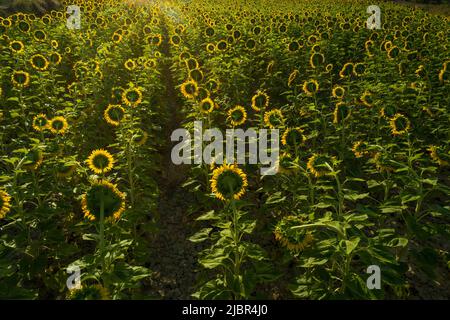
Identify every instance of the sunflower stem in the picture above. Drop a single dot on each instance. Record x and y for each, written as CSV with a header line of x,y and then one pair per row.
x,y
102,233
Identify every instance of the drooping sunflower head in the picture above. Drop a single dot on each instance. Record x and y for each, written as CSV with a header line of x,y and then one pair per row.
x,y
58,125
341,112
40,122
360,149
346,70
39,62
237,115
382,161
310,87
292,77
100,161
113,114
260,100
320,164
316,59
113,201
228,182
189,89
367,99
293,239
293,137
438,155
399,124
338,92
393,52
33,159
132,96
274,118
140,137
388,111
92,292
206,105
5,203
20,79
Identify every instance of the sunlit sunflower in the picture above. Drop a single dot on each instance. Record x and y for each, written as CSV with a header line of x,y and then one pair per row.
x,y
293,137
310,87
189,89
359,149
113,114
58,125
399,124
274,118
40,122
292,77
130,65
228,182
16,46
293,239
437,154
92,292
206,105
132,96
113,201
338,92
341,112
320,164
367,99
20,79
100,161
39,62
237,116
33,159
346,70
5,203
260,100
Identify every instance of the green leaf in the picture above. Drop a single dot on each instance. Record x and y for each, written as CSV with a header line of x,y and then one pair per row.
x,y
201,236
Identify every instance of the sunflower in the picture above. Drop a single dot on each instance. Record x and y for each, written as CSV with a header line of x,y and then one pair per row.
x,y
196,75
368,45
222,45
113,114
140,138
210,47
320,164
20,79
341,112
338,92
399,124
310,87
367,99
130,65
189,89
316,59
293,239
175,40
213,85
228,182
293,46
150,64
58,125
393,52
359,149
294,74
39,62
93,292
54,44
437,153
237,115
40,122
39,35
359,69
132,96
260,100
206,105
65,169
100,161
113,201
5,203
33,160
382,161
293,137
274,118
16,46
346,70
116,37
55,58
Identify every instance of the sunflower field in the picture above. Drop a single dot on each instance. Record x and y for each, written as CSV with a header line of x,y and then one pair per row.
x,y
88,187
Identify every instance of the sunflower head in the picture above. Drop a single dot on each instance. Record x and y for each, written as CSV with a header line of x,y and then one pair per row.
x,y
316,59
16,46
113,114
293,137
382,161
58,125
92,292
5,203
206,105
274,118
338,92
33,159
189,89
100,161
40,122
310,87
237,115
130,65
39,62
320,164
20,79
360,149
140,137
341,112
438,155
260,100
346,70
399,124
113,201
292,77
132,96
228,182
293,239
